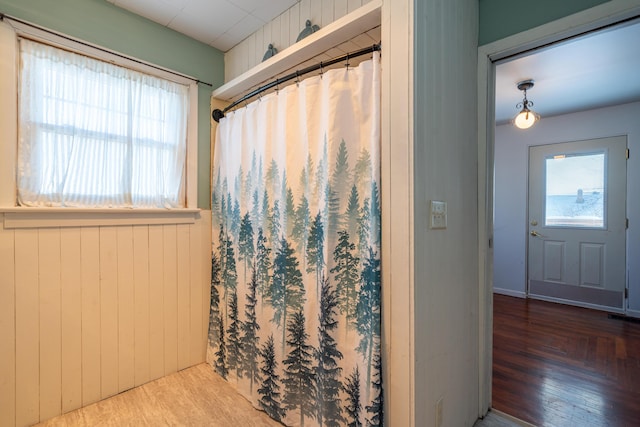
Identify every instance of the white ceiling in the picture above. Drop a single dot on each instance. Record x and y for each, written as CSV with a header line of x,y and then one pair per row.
x,y
218,23
595,70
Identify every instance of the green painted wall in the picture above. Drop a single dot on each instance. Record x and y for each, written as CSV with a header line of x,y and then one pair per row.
x,y
104,24
503,18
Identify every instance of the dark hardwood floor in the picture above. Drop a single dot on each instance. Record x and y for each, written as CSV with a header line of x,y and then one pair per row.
x,y
557,365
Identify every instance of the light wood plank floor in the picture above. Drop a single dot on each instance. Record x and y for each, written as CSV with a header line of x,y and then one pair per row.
x,y
192,397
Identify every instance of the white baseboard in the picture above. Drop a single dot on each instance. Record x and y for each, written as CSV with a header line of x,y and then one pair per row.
x,y
577,304
510,292
633,313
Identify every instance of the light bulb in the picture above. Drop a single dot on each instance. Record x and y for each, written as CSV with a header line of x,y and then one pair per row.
x,y
525,119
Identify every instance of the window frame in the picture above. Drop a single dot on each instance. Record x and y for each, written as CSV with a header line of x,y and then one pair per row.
x,y
10,32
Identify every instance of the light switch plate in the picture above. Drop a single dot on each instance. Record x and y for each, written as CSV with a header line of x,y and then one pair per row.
x,y
438,215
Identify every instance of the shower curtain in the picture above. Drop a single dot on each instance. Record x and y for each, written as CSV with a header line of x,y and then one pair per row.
x,y
295,297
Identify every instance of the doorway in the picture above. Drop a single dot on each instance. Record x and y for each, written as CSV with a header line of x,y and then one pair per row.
x,y
490,154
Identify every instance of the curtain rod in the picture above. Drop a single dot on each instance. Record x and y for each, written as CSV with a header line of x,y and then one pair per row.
x,y
219,114
4,16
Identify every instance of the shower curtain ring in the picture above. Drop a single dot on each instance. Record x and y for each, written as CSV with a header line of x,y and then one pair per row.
x,y
297,77
321,70
347,61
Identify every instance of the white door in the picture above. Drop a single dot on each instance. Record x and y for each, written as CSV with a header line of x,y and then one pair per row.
x,y
577,222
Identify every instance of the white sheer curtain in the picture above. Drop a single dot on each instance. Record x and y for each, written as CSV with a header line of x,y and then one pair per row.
x,y
93,134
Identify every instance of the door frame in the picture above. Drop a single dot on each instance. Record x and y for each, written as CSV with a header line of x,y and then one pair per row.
x,y
596,17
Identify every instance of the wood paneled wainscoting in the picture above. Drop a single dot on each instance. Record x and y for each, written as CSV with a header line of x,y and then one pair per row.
x,y
558,365
87,312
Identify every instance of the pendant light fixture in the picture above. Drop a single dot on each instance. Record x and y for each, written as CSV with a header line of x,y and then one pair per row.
x,y
525,118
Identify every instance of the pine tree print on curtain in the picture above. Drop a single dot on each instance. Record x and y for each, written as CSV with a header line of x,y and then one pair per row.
x,y
295,302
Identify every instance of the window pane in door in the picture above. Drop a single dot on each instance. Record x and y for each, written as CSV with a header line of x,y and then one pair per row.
x,y
575,188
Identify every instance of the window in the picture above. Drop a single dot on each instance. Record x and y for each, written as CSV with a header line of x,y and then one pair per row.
x,y
94,134
575,190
